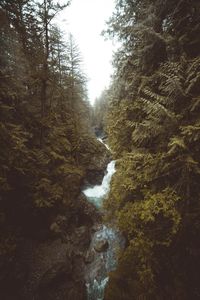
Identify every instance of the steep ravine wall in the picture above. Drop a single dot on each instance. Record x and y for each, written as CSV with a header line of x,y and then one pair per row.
x,y
51,264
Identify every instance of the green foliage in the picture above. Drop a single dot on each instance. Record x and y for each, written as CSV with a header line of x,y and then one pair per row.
x,y
150,217
45,138
153,127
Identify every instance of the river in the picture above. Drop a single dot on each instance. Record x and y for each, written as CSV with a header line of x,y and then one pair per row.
x,y
96,273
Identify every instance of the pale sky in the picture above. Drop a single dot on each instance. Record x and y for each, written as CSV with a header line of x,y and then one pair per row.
x,y
85,19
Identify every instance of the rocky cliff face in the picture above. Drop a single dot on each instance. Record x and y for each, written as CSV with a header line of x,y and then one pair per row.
x,y
95,170
53,268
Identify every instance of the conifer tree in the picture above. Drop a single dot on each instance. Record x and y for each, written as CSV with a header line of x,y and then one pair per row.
x,y
153,110
44,121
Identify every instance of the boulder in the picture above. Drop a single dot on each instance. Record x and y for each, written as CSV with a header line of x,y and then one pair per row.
x,y
94,177
96,168
87,212
101,245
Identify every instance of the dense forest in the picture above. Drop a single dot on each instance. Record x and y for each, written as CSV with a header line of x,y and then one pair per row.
x,y
150,117
47,146
153,127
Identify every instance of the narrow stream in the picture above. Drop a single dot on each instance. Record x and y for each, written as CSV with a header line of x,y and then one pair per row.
x,y
104,261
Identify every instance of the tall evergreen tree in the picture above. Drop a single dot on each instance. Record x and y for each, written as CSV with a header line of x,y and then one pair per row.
x,y
153,130
46,142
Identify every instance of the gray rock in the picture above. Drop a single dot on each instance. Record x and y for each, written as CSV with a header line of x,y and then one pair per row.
x,y
101,246
97,166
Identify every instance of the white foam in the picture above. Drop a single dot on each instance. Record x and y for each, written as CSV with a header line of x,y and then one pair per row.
x,y
100,140
97,193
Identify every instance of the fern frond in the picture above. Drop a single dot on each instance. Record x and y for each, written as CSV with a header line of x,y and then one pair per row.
x,y
156,109
145,131
155,96
193,75
195,104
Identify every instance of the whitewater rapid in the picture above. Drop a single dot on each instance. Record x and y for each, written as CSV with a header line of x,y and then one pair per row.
x,y
96,273
97,193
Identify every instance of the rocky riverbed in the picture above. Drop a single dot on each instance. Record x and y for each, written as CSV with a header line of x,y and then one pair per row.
x,y
106,242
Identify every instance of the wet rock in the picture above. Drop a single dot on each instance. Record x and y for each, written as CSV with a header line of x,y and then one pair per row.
x,y
97,166
87,212
94,177
101,246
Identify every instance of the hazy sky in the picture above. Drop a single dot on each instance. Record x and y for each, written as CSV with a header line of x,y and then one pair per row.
x,y
85,19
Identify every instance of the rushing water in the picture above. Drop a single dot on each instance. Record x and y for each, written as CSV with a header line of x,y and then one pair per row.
x,y
100,140
97,193
96,273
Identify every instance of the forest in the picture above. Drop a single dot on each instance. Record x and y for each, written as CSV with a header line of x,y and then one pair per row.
x,y
149,117
47,148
